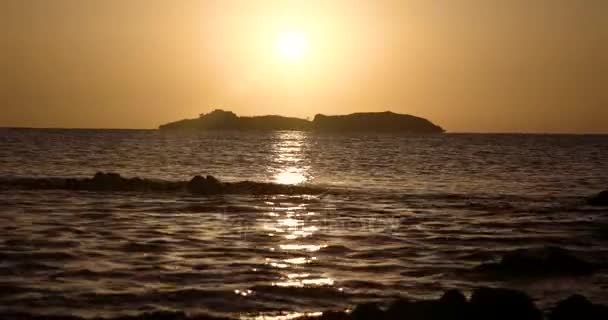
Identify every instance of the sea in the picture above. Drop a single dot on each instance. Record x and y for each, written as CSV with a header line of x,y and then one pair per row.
x,y
407,216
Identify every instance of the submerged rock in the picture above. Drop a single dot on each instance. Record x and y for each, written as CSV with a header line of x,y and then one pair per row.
x,y
578,307
452,305
600,200
453,297
367,311
503,304
539,262
116,183
207,185
107,181
485,303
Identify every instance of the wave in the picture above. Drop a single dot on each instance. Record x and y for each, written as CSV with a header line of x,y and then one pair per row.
x,y
115,182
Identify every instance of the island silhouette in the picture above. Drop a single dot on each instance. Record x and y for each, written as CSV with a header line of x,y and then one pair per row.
x,y
365,121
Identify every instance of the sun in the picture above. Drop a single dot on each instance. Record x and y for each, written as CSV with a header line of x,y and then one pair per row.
x,y
292,46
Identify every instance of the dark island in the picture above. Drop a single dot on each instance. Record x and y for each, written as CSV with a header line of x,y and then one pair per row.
x,y
368,121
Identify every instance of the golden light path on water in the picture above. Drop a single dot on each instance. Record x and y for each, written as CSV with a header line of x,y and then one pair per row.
x,y
291,225
288,164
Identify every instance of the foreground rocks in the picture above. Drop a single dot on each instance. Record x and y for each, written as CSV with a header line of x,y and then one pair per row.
x,y
600,200
578,307
537,263
484,304
114,182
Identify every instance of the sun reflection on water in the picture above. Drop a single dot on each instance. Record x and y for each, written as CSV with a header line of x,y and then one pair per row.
x,y
288,222
292,233
288,165
290,177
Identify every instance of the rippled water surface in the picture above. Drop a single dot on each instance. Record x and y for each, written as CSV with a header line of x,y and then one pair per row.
x,y
407,216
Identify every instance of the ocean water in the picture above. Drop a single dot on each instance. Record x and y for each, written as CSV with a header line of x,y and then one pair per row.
x,y
404,216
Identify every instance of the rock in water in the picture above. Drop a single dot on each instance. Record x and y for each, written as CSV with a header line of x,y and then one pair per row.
x,y
453,298
208,185
503,304
452,305
367,311
107,181
578,307
600,200
539,262
413,310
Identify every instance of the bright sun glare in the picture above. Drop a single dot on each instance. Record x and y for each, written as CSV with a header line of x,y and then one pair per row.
x,y
292,45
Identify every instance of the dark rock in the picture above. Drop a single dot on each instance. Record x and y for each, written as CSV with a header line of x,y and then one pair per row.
x,y
367,311
213,180
452,305
503,304
107,181
413,310
114,182
71,184
208,185
137,184
578,307
600,200
539,262
453,297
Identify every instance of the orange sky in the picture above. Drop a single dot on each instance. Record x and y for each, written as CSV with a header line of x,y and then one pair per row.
x,y
468,65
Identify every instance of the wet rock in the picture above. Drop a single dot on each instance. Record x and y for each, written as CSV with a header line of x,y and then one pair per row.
x,y
578,307
114,182
367,311
539,262
207,185
72,183
453,297
413,310
503,304
107,181
452,305
600,200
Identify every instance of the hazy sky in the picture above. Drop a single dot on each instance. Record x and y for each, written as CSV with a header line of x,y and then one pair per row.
x,y
469,65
